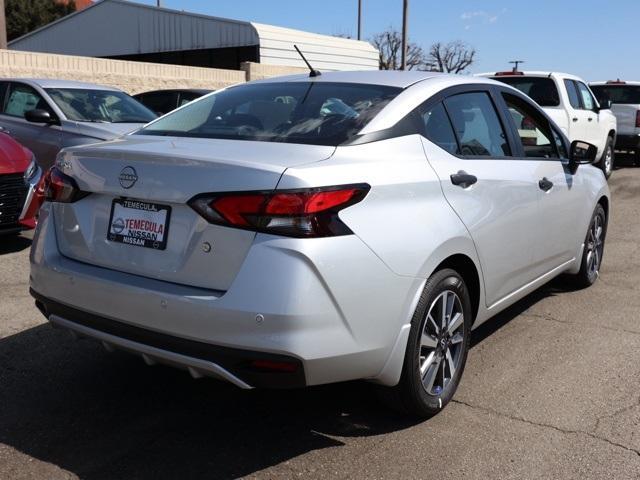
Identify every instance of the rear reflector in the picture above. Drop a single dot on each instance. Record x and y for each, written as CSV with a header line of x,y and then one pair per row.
x,y
61,188
271,366
294,213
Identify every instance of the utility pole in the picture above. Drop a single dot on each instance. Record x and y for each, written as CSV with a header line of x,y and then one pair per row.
x,y
405,33
3,27
359,19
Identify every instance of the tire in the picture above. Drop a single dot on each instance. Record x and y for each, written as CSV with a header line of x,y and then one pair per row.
x,y
593,249
636,158
608,158
434,363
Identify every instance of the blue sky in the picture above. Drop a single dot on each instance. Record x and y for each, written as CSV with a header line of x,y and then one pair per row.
x,y
595,39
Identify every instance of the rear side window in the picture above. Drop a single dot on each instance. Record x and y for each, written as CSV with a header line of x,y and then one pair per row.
x,y
477,125
574,100
318,113
533,129
438,129
621,94
542,90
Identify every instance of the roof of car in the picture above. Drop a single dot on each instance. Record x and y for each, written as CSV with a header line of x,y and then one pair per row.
x,y
391,78
530,73
202,91
615,83
53,83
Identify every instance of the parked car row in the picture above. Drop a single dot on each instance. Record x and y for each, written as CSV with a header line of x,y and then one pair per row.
x,y
324,228
571,104
39,117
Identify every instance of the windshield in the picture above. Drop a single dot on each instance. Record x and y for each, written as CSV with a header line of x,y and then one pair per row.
x,y
541,89
316,113
629,94
84,105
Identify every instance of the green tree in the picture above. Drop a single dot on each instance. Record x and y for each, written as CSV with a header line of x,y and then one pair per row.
x,y
24,16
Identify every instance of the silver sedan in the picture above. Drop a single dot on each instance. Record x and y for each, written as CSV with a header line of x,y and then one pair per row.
x,y
306,230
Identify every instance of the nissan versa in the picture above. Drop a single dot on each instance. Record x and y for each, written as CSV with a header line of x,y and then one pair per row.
x,y
313,229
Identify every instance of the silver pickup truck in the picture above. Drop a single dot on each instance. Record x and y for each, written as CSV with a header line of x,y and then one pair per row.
x,y
625,105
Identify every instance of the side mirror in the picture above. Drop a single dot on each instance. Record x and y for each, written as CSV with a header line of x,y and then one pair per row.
x,y
606,105
582,153
37,115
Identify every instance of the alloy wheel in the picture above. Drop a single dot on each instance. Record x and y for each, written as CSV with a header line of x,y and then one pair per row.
x,y
441,342
595,245
608,160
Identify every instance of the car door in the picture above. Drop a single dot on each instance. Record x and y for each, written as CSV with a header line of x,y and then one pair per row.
x,y
494,194
593,128
559,191
42,139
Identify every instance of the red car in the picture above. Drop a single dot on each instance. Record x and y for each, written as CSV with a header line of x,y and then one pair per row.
x,y
20,187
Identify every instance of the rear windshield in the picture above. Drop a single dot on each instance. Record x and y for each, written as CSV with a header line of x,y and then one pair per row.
x,y
316,113
541,89
629,94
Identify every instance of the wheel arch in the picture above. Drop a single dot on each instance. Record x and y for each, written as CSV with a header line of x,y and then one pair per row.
x,y
467,269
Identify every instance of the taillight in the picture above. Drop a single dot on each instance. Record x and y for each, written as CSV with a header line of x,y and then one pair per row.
x,y
638,119
293,213
61,188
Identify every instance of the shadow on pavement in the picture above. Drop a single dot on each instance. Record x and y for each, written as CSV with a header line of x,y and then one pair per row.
x,y
101,415
14,243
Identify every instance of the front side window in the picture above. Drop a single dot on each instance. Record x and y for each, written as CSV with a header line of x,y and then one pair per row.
x,y
23,98
587,98
319,113
438,129
101,106
477,125
533,129
542,90
572,91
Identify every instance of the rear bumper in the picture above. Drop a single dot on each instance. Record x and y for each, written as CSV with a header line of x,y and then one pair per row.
x,y
334,308
628,142
200,359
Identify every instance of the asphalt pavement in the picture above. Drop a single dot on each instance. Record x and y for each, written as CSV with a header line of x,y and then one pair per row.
x,y
551,391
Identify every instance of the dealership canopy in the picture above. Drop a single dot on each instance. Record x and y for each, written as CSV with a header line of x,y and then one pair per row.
x,y
125,30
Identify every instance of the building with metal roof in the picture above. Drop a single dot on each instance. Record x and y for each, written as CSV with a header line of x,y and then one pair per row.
x,y
120,29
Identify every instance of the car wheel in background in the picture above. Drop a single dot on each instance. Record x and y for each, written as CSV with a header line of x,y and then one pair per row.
x,y
593,249
437,347
636,158
608,157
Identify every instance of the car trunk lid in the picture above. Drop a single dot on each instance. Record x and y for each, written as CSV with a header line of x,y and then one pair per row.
x,y
163,174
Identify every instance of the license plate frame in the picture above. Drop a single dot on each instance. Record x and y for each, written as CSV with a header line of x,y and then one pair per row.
x,y
126,228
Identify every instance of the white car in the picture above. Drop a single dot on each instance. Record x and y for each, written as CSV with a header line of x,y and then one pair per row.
x,y
624,98
570,103
359,231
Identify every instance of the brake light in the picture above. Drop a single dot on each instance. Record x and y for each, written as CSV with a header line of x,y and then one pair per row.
x,y
293,213
61,188
616,82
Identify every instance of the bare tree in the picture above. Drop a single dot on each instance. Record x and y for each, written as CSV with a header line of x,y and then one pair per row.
x,y
452,57
389,44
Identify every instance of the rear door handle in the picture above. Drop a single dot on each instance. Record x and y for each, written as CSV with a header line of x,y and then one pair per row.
x,y
545,184
591,119
463,179
575,119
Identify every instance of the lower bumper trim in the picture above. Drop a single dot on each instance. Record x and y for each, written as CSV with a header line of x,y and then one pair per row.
x,y
199,358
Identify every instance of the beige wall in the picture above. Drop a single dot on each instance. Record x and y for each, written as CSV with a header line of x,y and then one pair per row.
x,y
132,77
257,71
